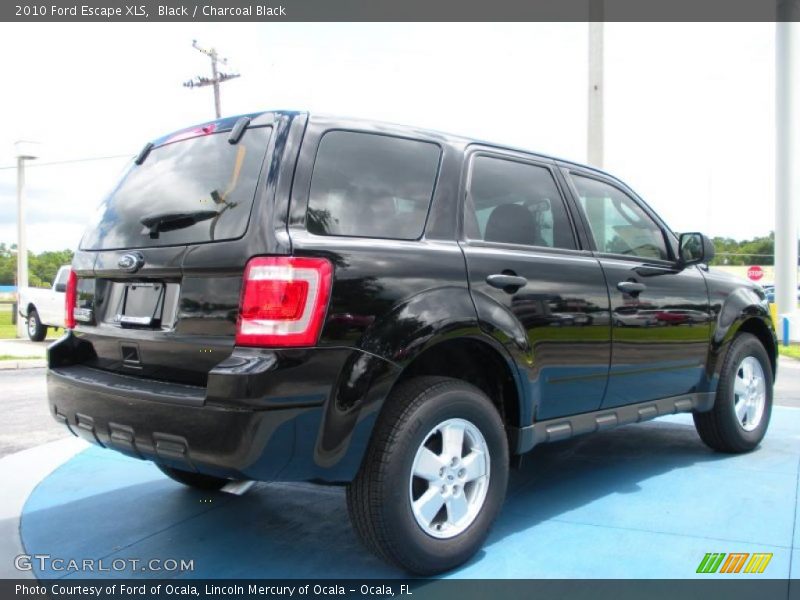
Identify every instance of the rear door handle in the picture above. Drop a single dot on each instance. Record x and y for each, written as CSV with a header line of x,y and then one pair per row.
x,y
631,287
503,281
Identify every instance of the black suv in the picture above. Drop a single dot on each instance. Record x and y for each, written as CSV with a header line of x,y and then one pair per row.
x,y
286,296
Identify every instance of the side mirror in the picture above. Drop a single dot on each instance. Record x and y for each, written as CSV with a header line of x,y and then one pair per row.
x,y
695,248
61,287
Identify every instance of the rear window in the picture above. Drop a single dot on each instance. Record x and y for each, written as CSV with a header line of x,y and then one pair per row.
x,y
370,185
191,191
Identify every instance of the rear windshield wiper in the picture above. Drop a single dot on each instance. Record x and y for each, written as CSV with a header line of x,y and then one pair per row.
x,y
171,221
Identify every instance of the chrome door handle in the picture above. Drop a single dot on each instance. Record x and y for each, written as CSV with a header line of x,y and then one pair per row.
x,y
631,287
503,281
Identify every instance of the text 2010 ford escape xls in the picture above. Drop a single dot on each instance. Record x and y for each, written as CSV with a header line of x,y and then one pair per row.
x,y
285,296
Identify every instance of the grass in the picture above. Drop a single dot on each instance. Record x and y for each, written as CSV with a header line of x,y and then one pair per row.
x,y
792,350
8,331
10,357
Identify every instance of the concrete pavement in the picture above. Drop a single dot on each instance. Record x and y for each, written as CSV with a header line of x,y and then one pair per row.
x,y
26,417
24,348
787,388
32,354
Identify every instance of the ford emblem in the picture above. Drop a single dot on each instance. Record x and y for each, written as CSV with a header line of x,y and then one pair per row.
x,y
130,262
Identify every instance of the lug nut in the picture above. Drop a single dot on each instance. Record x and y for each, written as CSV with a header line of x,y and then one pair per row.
x,y
454,461
462,473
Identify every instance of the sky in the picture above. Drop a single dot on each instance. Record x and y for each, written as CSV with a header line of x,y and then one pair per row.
x,y
689,108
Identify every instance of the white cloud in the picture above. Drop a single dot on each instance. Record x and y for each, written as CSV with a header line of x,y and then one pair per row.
x,y
689,106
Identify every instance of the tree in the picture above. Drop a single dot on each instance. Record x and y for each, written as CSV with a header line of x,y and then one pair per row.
x,y
42,267
758,251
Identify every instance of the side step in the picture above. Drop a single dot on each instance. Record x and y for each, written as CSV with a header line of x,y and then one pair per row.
x,y
524,439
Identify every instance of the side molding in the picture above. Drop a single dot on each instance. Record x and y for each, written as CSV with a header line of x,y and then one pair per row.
x,y
524,439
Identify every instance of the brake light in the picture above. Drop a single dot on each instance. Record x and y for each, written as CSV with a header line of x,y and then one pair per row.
x,y
283,301
70,299
192,132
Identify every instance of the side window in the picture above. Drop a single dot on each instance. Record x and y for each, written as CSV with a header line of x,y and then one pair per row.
x,y
618,223
516,203
62,276
369,185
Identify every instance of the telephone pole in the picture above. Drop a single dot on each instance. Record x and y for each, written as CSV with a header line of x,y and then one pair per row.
x,y
217,76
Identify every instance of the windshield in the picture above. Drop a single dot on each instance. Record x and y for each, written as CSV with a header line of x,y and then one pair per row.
x,y
185,192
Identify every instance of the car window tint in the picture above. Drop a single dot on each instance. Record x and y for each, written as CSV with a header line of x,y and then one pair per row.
x,y
618,224
204,176
516,203
369,185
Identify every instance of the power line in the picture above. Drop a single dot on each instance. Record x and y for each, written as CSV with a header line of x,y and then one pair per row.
x,y
216,78
67,162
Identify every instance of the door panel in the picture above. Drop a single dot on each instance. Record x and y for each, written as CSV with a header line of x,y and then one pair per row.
x,y
563,308
659,335
661,320
526,275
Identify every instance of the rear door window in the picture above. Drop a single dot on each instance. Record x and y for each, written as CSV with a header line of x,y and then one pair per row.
x,y
511,202
370,185
189,191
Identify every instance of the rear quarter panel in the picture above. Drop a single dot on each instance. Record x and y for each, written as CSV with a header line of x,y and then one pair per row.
x,y
391,299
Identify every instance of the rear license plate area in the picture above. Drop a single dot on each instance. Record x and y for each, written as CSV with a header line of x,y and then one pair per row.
x,y
141,305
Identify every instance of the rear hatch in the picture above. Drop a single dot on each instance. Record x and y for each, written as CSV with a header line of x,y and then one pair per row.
x,y
159,269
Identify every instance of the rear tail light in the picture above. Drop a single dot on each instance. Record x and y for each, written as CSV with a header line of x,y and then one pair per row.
x,y
70,300
284,300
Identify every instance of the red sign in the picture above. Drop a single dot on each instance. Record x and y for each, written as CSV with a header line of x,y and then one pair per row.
x,y
755,272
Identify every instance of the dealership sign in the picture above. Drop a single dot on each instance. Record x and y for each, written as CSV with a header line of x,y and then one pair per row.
x,y
755,272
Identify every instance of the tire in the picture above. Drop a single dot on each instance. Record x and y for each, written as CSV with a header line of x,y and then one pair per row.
x,y
198,481
722,428
36,331
408,435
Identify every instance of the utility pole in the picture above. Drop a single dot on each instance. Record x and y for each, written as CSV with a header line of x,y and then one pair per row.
x,y
217,76
595,135
787,163
24,151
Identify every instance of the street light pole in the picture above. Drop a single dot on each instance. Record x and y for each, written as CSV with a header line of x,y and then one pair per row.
x,y
595,134
24,151
787,165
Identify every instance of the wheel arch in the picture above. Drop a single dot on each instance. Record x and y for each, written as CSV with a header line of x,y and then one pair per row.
x,y
757,327
753,319
477,361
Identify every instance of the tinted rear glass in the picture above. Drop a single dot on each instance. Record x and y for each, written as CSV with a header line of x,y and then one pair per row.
x,y
190,191
369,185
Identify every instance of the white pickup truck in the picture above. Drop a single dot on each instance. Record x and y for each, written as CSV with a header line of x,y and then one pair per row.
x,y
44,307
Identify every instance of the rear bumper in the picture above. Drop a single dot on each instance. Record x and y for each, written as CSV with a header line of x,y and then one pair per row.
x,y
264,415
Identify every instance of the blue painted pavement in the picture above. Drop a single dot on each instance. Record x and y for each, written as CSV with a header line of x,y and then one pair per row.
x,y
643,501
